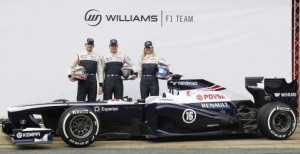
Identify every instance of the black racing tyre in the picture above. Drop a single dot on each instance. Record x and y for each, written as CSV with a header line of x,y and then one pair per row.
x,y
276,121
7,126
79,126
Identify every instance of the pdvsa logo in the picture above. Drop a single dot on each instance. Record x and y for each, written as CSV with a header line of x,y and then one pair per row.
x,y
93,17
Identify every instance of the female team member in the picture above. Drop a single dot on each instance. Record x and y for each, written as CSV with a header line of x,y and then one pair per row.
x,y
151,67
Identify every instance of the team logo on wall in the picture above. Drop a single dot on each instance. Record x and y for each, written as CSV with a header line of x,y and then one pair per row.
x,y
93,17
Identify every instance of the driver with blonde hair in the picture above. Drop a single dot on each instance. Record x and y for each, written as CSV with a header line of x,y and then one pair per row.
x,y
148,67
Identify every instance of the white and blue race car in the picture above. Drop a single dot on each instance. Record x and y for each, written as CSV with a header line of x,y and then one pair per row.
x,y
192,107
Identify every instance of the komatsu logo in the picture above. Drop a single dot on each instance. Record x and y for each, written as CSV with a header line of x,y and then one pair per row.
x,y
215,105
285,94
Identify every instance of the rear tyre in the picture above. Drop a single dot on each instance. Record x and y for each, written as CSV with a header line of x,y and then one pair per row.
x,y
276,121
79,126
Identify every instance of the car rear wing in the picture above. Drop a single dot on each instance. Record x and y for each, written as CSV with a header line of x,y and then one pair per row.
x,y
265,90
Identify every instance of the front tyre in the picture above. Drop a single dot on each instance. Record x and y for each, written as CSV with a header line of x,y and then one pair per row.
x,y
276,121
79,126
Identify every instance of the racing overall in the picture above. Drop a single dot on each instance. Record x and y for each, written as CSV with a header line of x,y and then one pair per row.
x,y
149,82
113,84
88,60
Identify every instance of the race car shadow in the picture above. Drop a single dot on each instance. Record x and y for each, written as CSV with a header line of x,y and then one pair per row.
x,y
206,138
183,138
61,144
31,147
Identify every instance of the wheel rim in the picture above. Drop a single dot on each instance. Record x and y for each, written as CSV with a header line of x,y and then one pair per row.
x,y
282,121
81,126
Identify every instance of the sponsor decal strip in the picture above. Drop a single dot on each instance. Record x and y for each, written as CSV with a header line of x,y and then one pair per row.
x,y
213,88
285,94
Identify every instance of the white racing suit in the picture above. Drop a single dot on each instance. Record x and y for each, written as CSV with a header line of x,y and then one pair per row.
x,y
90,61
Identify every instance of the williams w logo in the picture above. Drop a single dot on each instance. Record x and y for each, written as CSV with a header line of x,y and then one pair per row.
x,y
93,17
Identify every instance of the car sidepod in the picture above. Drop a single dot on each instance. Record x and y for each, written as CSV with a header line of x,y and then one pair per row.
x,y
168,119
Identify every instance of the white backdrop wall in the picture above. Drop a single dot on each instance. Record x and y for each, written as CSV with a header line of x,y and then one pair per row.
x,y
225,41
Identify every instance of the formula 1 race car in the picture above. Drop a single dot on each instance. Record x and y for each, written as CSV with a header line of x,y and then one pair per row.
x,y
191,108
